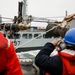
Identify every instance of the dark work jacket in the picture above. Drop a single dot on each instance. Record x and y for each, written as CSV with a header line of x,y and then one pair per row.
x,y
53,65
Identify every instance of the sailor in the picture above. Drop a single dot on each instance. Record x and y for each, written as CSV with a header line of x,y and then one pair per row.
x,y
9,63
61,62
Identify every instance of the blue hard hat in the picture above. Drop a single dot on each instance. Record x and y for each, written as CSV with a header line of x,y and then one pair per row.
x,y
70,36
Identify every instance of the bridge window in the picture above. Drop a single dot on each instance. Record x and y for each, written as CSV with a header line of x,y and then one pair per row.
x,y
17,36
14,36
10,36
44,36
37,36
25,36
30,36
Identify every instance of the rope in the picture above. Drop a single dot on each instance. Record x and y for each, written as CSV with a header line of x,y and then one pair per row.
x,y
36,37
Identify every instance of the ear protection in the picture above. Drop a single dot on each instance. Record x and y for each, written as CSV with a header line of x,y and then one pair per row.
x,y
62,45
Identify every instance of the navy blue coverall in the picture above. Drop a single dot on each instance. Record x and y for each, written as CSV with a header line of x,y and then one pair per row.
x,y
53,65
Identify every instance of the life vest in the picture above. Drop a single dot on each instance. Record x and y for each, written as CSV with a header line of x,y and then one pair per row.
x,y
11,66
68,59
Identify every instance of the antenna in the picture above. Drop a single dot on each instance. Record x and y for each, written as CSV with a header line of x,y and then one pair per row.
x,y
66,13
0,19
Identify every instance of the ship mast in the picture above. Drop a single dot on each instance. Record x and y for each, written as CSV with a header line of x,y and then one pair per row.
x,y
24,9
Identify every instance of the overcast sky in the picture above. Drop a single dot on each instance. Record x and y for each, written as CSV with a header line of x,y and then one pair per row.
x,y
38,8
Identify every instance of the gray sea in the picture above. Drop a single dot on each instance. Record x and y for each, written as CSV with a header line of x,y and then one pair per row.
x,y
31,69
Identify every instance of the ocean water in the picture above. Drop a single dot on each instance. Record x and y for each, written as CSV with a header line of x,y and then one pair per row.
x,y
29,69
32,52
